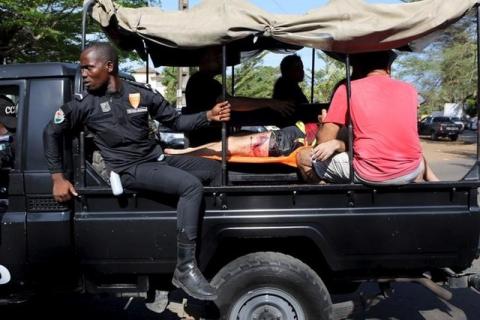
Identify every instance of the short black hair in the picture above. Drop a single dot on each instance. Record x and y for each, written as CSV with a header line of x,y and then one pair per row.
x,y
288,62
369,61
106,51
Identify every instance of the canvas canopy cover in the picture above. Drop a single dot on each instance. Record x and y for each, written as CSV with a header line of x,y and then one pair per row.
x,y
342,26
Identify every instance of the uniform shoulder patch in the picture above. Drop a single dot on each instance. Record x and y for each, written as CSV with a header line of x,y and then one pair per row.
x,y
80,96
59,116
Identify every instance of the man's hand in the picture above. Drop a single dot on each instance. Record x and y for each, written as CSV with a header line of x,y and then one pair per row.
x,y
285,108
304,165
220,112
326,149
62,188
322,116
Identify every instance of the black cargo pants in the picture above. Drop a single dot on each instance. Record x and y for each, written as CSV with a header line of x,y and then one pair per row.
x,y
181,176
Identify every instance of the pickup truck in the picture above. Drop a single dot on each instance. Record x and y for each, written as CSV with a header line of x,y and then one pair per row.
x,y
437,127
296,241
273,249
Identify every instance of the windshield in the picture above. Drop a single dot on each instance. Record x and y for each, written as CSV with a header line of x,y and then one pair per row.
x,y
441,119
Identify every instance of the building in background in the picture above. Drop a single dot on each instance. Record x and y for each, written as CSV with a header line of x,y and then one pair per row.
x,y
155,79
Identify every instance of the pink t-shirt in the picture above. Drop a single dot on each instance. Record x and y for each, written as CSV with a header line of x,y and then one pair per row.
x,y
384,118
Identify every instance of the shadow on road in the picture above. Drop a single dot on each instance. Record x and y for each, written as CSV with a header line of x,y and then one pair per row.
x,y
414,302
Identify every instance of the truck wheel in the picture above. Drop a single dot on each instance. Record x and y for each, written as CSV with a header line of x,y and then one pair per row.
x,y
454,137
270,285
434,136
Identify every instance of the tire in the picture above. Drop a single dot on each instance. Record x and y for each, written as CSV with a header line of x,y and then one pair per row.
x,y
270,285
454,137
434,136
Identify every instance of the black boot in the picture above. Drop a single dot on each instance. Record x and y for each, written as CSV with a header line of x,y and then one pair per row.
x,y
187,276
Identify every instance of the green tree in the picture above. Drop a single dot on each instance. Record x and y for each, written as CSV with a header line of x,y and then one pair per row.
x,y
445,71
330,72
39,30
253,79
169,77
44,30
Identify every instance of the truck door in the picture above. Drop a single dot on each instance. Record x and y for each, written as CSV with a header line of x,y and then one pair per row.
x,y
48,223
130,233
12,199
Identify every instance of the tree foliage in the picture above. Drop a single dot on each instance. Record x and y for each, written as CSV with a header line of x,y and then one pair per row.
x,y
330,72
253,79
169,76
44,30
446,70
39,30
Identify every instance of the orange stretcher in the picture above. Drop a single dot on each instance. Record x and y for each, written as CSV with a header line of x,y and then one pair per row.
x,y
290,160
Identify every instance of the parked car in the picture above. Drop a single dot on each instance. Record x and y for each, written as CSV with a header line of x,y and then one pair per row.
x,y
459,123
439,127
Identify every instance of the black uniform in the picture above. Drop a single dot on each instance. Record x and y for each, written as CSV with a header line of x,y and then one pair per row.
x,y
201,94
119,122
289,90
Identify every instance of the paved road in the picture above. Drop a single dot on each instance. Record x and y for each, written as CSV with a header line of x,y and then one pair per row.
x,y
414,302
450,160
410,301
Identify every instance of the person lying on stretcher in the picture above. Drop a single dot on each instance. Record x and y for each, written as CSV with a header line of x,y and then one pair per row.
x,y
273,143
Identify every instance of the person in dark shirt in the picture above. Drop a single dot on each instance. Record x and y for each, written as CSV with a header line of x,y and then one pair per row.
x,y
272,143
203,91
116,112
286,87
8,125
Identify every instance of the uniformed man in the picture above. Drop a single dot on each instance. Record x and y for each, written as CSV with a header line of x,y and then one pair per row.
x,y
116,112
8,125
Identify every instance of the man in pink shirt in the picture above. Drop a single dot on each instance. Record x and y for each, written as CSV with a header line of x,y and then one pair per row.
x,y
383,112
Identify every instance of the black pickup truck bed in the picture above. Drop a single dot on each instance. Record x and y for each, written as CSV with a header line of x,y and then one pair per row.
x,y
126,245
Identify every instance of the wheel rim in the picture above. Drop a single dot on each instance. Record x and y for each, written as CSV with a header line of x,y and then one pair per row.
x,y
267,304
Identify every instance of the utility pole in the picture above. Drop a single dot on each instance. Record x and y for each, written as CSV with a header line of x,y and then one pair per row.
x,y
183,72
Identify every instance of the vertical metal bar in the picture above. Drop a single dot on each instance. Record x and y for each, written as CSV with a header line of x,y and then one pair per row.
x,y
182,4
83,171
86,7
350,127
224,125
147,65
233,81
313,76
83,167
183,73
478,86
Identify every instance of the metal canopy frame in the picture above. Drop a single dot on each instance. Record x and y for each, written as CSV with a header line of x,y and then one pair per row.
x,y
473,174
